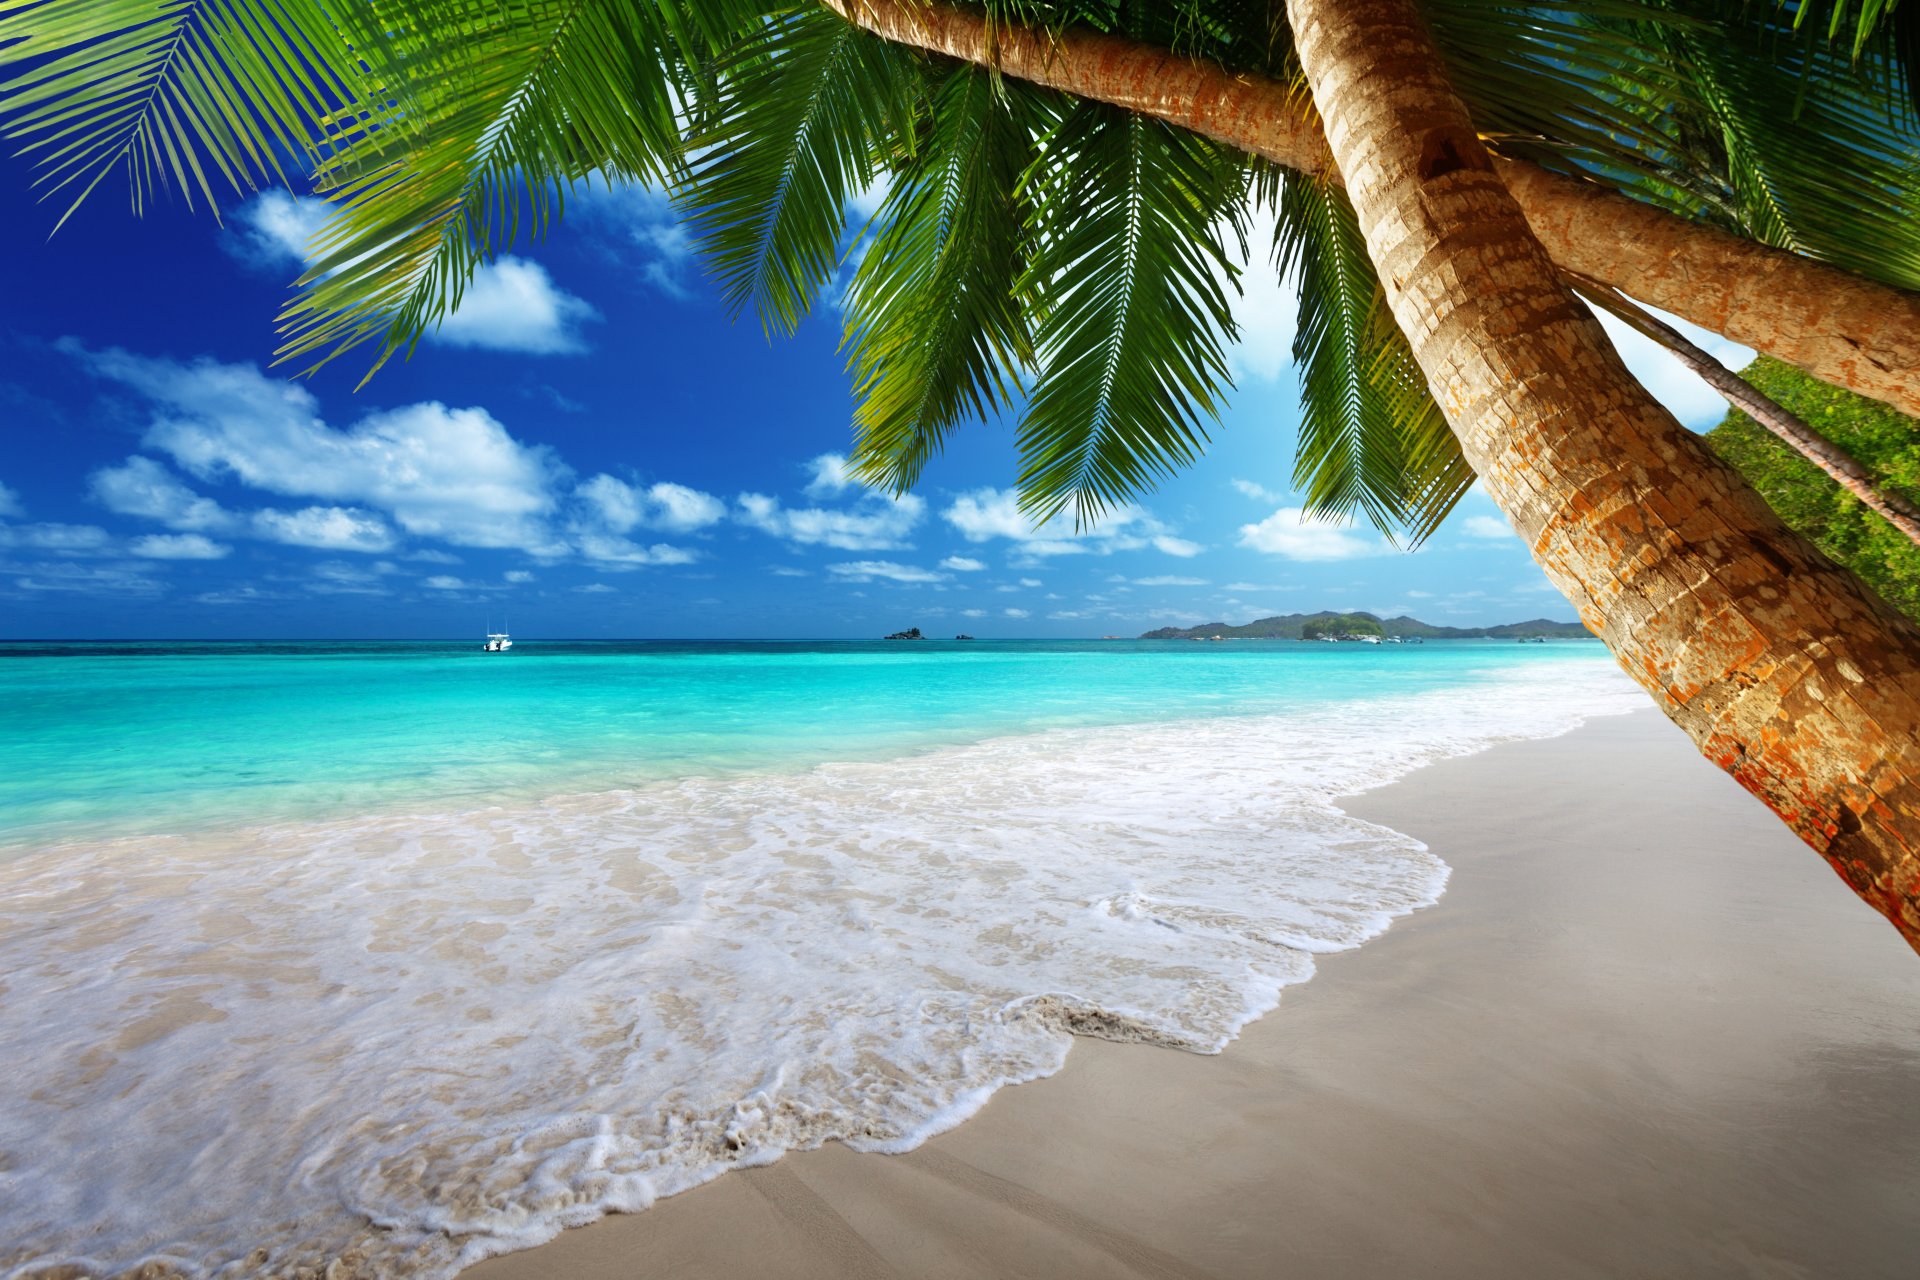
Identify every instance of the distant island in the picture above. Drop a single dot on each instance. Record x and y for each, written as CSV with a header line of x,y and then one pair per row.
x,y
911,633
1313,626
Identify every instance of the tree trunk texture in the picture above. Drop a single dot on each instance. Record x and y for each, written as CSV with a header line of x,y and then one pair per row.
x,y
1785,670
1841,328
1848,471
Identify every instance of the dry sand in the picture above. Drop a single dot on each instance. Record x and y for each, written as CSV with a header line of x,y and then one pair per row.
x,y
1645,1033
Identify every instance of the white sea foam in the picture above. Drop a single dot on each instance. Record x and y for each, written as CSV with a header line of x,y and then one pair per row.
x,y
397,1045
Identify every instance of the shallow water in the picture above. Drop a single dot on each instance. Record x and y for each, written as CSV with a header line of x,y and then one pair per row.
x,y
741,900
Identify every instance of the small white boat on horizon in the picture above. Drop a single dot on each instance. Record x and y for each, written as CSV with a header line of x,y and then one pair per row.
x,y
497,642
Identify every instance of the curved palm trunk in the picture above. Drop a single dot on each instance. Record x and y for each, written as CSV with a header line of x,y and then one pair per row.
x,y
1839,327
1781,666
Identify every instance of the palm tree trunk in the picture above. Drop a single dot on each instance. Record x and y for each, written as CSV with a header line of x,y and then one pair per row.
x,y
1845,469
1785,670
1839,327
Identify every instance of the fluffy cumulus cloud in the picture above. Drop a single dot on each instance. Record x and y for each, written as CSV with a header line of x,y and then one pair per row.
x,y
875,522
963,564
324,528
622,507
982,515
1259,492
144,488
179,546
1488,527
1291,534
454,475
10,507
829,475
511,304
1265,309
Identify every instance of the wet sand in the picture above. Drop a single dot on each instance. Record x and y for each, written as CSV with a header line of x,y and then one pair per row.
x,y
1645,1033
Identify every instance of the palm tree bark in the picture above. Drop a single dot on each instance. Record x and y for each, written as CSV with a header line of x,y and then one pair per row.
x,y
1845,469
1839,327
1783,668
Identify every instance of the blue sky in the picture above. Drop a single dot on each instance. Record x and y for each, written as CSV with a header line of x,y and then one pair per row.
x,y
590,447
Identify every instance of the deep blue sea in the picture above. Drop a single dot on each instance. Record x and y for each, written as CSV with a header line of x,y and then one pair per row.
x,y
381,958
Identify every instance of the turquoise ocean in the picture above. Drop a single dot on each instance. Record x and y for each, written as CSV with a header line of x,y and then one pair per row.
x,y
397,955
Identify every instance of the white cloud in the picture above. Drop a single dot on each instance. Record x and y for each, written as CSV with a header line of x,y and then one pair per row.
x,y
1031,582
1486,527
621,506
984,514
1259,492
640,218
867,570
1169,580
517,575
451,474
595,589
876,523
65,575
10,507
1673,384
179,546
142,487
67,539
611,549
430,556
444,582
511,304
788,571
1289,533
963,564
1016,613
275,229
830,475
1266,311
973,613
329,528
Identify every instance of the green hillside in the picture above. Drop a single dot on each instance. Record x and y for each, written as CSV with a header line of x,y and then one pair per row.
x,y
1293,626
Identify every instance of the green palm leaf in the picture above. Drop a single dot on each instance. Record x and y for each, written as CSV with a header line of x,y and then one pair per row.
x,y
1371,437
1126,282
504,107
175,92
803,105
935,326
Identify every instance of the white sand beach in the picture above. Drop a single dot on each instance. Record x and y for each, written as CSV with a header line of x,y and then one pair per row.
x,y
1645,1033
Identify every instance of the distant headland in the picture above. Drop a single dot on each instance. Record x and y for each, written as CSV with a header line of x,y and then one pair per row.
x,y
1312,626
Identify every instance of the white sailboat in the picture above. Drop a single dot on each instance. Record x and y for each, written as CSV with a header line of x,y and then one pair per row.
x,y
497,641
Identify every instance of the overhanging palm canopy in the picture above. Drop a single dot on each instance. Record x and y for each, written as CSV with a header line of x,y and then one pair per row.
x,y
1055,256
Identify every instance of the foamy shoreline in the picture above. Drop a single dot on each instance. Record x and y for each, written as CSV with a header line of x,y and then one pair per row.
x,y
1646,1032
863,952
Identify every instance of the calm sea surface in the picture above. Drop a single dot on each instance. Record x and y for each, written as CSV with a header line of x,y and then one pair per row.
x,y
116,737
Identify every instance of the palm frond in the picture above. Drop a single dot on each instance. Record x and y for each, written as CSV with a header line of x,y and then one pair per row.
x,y
933,320
1127,284
196,94
503,108
1371,438
804,103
